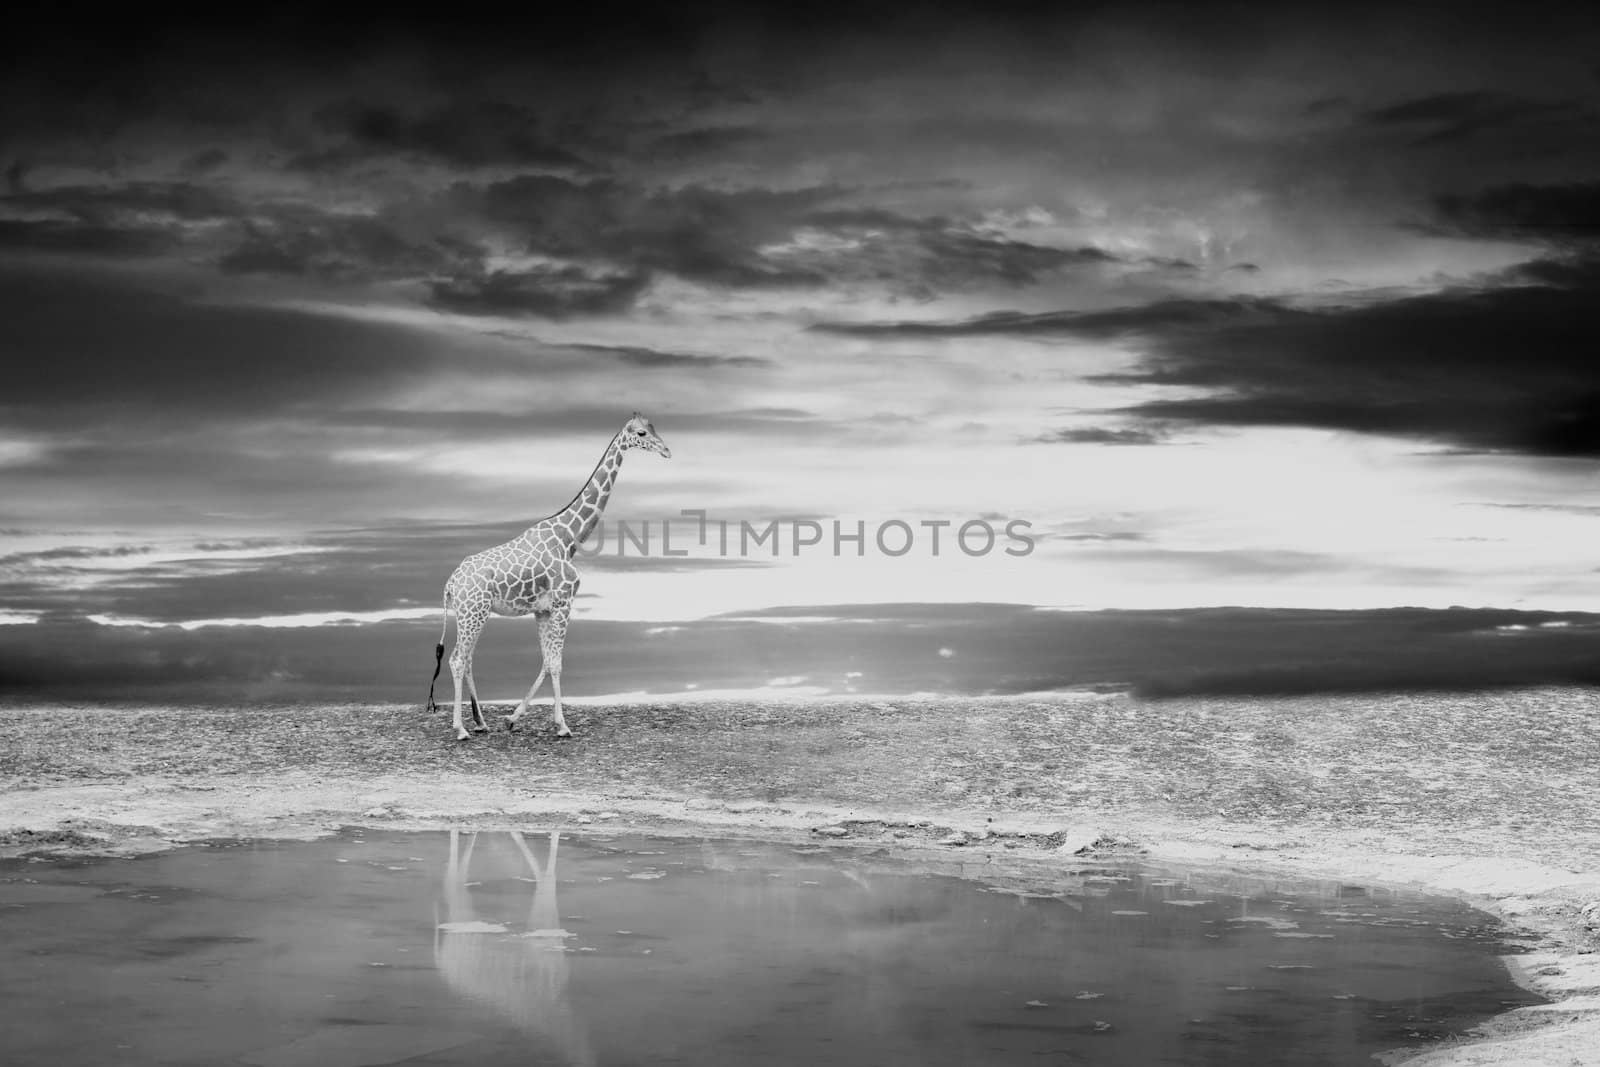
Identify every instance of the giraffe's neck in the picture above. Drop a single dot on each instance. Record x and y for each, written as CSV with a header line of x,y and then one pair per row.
x,y
577,520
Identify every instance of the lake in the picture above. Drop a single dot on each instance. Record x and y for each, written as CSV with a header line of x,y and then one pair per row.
x,y
593,948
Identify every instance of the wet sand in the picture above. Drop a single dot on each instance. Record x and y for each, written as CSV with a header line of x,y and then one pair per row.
x,y
1488,798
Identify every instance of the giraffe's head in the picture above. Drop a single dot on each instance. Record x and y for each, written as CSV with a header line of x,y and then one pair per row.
x,y
638,433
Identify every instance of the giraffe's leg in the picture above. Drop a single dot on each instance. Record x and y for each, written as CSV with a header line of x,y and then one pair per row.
x,y
522,708
552,640
468,625
561,723
478,725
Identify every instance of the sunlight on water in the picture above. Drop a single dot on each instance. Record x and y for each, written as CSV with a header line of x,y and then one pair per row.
x,y
516,948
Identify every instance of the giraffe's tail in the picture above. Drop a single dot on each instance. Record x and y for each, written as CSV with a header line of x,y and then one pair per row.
x,y
438,651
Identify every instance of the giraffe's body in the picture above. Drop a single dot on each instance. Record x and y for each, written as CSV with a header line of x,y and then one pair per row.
x,y
533,574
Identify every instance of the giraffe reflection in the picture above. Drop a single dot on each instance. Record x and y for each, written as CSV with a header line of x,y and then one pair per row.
x,y
521,978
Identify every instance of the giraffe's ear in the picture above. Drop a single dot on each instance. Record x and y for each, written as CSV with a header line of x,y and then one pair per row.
x,y
636,415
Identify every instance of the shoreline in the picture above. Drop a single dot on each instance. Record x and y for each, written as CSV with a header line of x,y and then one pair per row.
x,y
1543,886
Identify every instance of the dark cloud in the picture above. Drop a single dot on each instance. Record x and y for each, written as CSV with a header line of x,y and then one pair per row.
x,y
103,204
148,353
546,292
1112,536
1101,325
207,223
72,552
613,236
463,134
1326,105
1495,369
121,219
639,356
933,254
1570,509
148,469
1547,211
573,418
146,402
342,248
204,161
1105,435
698,233
1458,111
703,141
1524,132
1449,116
201,222
91,239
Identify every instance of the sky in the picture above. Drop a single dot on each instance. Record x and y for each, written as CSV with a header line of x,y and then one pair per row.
x,y
1277,307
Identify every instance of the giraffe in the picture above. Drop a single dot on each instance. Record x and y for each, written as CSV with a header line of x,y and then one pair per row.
x,y
532,572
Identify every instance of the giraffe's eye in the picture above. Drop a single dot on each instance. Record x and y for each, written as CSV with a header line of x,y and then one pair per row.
x,y
639,432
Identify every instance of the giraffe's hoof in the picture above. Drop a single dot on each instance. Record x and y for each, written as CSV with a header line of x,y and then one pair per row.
x,y
481,728
462,735
563,735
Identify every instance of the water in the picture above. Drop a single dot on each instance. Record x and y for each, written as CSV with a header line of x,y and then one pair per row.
x,y
535,948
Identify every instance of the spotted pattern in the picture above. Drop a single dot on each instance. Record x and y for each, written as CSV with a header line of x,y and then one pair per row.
x,y
533,574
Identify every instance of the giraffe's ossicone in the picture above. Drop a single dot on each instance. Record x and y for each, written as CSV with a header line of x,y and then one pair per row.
x,y
532,574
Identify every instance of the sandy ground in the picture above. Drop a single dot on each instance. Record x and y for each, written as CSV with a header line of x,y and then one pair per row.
x,y
1491,799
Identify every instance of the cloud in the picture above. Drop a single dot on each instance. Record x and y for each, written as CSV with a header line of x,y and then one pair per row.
x,y
1145,319
545,292
1454,115
1105,435
640,356
118,219
1496,370
1554,212
74,552
466,134
695,232
926,255
341,247
204,161
83,345
1112,536
1570,509
59,235
758,238
702,141
1325,105
596,242
239,236
172,200
596,421
1499,368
